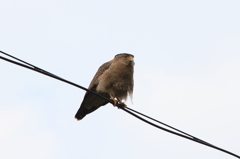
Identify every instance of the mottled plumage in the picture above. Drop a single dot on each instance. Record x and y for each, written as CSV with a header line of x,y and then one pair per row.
x,y
114,79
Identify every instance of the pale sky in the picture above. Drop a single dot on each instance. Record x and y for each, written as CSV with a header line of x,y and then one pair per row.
x,y
187,62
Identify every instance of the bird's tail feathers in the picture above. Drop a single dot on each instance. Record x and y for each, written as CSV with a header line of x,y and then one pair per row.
x,y
81,113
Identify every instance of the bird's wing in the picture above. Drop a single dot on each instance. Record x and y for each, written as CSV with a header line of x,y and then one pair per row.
x,y
100,71
92,102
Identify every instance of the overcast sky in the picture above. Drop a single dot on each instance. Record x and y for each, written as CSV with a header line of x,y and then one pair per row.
x,y
187,62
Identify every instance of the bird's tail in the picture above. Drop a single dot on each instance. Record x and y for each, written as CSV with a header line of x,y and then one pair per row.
x,y
81,113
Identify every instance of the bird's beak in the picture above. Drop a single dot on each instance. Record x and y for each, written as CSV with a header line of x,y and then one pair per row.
x,y
129,58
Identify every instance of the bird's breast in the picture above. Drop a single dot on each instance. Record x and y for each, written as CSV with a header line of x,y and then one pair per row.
x,y
116,79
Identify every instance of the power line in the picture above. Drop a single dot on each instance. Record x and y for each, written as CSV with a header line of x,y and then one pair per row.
x,y
127,109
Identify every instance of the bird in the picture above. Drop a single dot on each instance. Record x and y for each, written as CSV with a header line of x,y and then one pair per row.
x,y
113,80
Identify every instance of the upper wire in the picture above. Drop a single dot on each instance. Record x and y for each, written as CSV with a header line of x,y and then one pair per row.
x,y
127,109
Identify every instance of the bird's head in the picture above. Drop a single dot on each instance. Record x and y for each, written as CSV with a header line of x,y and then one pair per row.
x,y
125,58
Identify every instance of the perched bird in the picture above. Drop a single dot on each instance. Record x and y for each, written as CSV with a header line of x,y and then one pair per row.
x,y
113,80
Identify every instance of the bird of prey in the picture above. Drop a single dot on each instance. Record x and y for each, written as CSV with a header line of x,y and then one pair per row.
x,y
113,80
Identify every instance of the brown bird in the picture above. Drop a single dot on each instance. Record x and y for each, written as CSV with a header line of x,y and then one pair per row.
x,y
113,80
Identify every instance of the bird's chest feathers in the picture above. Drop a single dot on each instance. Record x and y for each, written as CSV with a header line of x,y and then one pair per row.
x,y
117,77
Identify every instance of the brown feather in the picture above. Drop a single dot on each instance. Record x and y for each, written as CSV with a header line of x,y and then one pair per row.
x,y
113,79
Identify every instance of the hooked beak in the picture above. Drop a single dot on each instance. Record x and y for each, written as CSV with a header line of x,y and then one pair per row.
x,y
129,58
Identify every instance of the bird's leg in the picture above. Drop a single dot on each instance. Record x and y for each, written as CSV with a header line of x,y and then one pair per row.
x,y
114,101
120,102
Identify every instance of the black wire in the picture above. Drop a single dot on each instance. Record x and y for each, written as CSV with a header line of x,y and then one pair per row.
x,y
37,69
128,110
186,137
195,138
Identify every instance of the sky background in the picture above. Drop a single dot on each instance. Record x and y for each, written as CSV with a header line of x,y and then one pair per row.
x,y
187,62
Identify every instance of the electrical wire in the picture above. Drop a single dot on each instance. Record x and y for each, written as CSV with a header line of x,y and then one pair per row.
x,y
127,109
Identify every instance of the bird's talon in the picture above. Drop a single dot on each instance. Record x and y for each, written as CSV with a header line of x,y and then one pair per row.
x,y
114,101
123,105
